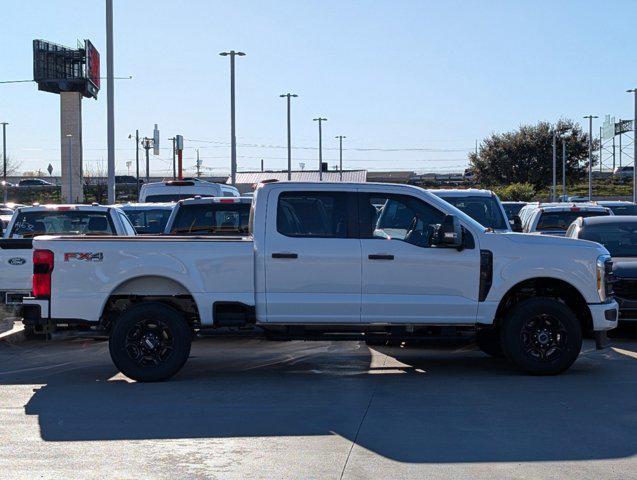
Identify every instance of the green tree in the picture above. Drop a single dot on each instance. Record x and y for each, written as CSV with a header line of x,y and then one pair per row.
x,y
526,155
522,192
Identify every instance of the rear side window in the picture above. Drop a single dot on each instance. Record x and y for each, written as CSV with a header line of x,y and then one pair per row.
x,y
30,224
212,219
313,214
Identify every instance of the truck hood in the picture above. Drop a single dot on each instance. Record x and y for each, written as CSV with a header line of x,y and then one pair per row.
x,y
530,242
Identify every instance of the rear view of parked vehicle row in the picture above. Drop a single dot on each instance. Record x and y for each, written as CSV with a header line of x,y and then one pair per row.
x,y
342,261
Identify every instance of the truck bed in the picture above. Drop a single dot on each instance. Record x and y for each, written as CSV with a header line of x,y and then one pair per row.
x,y
96,268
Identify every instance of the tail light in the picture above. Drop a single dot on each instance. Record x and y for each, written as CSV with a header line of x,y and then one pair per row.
x,y
42,269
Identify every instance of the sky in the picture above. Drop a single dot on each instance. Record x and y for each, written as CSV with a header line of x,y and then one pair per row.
x,y
412,84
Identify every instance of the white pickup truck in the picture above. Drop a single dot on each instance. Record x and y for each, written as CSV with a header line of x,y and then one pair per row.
x,y
318,263
28,222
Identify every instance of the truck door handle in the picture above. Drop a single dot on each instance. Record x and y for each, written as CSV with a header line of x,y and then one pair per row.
x,y
285,255
380,257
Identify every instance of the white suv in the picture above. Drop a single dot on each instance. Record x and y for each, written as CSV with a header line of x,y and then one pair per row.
x,y
555,218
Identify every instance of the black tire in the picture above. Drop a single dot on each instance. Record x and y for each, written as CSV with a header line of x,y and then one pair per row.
x,y
488,340
541,336
150,342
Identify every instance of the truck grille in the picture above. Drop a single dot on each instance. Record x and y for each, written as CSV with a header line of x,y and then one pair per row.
x,y
626,289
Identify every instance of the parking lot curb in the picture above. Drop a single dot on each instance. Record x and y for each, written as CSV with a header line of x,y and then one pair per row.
x,y
15,334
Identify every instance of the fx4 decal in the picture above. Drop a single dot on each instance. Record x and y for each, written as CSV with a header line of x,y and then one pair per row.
x,y
83,257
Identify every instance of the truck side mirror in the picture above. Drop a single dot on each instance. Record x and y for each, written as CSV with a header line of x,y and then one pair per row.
x,y
516,223
448,233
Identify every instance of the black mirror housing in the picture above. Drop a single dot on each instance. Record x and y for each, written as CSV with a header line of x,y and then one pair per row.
x,y
449,233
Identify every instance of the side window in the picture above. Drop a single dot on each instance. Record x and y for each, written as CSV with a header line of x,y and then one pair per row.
x,y
313,214
398,217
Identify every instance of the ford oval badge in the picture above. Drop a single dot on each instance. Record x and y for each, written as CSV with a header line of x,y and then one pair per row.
x,y
17,261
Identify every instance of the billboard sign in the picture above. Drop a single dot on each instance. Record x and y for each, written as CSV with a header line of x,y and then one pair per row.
x,y
92,65
623,126
608,128
179,142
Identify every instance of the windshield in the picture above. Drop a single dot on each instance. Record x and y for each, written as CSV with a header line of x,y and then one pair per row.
x,y
53,222
562,220
152,220
484,210
620,239
172,197
212,219
624,209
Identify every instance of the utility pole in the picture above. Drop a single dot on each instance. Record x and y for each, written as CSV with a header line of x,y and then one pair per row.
x,y
110,103
233,137
288,96
563,169
4,159
261,164
634,91
340,155
590,155
147,144
174,164
613,153
320,121
554,191
198,165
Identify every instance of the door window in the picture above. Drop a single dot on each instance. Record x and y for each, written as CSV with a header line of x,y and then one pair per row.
x,y
398,217
313,214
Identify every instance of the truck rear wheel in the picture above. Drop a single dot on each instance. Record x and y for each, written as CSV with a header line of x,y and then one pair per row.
x,y
150,342
541,336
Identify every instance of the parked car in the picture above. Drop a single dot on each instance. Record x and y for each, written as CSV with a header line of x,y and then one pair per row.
x,y
16,256
148,218
315,267
173,191
555,218
482,205
127,180
618,234
619,207
35,183
216,216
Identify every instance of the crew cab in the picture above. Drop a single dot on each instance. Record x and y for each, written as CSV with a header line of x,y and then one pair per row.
x,y
319,263
175,190
217,216
28,222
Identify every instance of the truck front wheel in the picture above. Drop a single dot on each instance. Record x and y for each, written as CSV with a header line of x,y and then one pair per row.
x,y
541,336
150,342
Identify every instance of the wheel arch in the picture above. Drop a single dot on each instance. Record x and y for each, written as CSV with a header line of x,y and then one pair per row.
x,y
546,287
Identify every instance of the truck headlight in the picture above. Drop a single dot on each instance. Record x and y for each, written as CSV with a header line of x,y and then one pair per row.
x,y
604,269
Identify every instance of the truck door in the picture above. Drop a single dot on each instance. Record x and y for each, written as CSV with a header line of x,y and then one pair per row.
x,y
312,257
405,280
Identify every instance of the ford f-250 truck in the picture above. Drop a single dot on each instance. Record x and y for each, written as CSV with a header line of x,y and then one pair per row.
x,y
318,263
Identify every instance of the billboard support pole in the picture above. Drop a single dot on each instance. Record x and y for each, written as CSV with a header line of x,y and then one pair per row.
x,y
180,164
110,115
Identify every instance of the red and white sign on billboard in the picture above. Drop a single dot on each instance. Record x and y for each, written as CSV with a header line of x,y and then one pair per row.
x,y
92,63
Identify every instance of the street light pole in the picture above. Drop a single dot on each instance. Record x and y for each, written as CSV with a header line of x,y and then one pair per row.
x,y
233,137
590,155
554,166
289,95
634,91
563,169
110,103
4,159
320,122
146,143
340,155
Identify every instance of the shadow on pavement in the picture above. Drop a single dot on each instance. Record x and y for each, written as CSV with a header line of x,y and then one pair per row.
x,y
441,405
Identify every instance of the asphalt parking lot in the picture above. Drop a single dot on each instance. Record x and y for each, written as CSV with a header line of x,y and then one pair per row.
x,y
249,408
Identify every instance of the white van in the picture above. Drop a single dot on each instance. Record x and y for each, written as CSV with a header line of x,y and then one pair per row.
x,y
175,190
